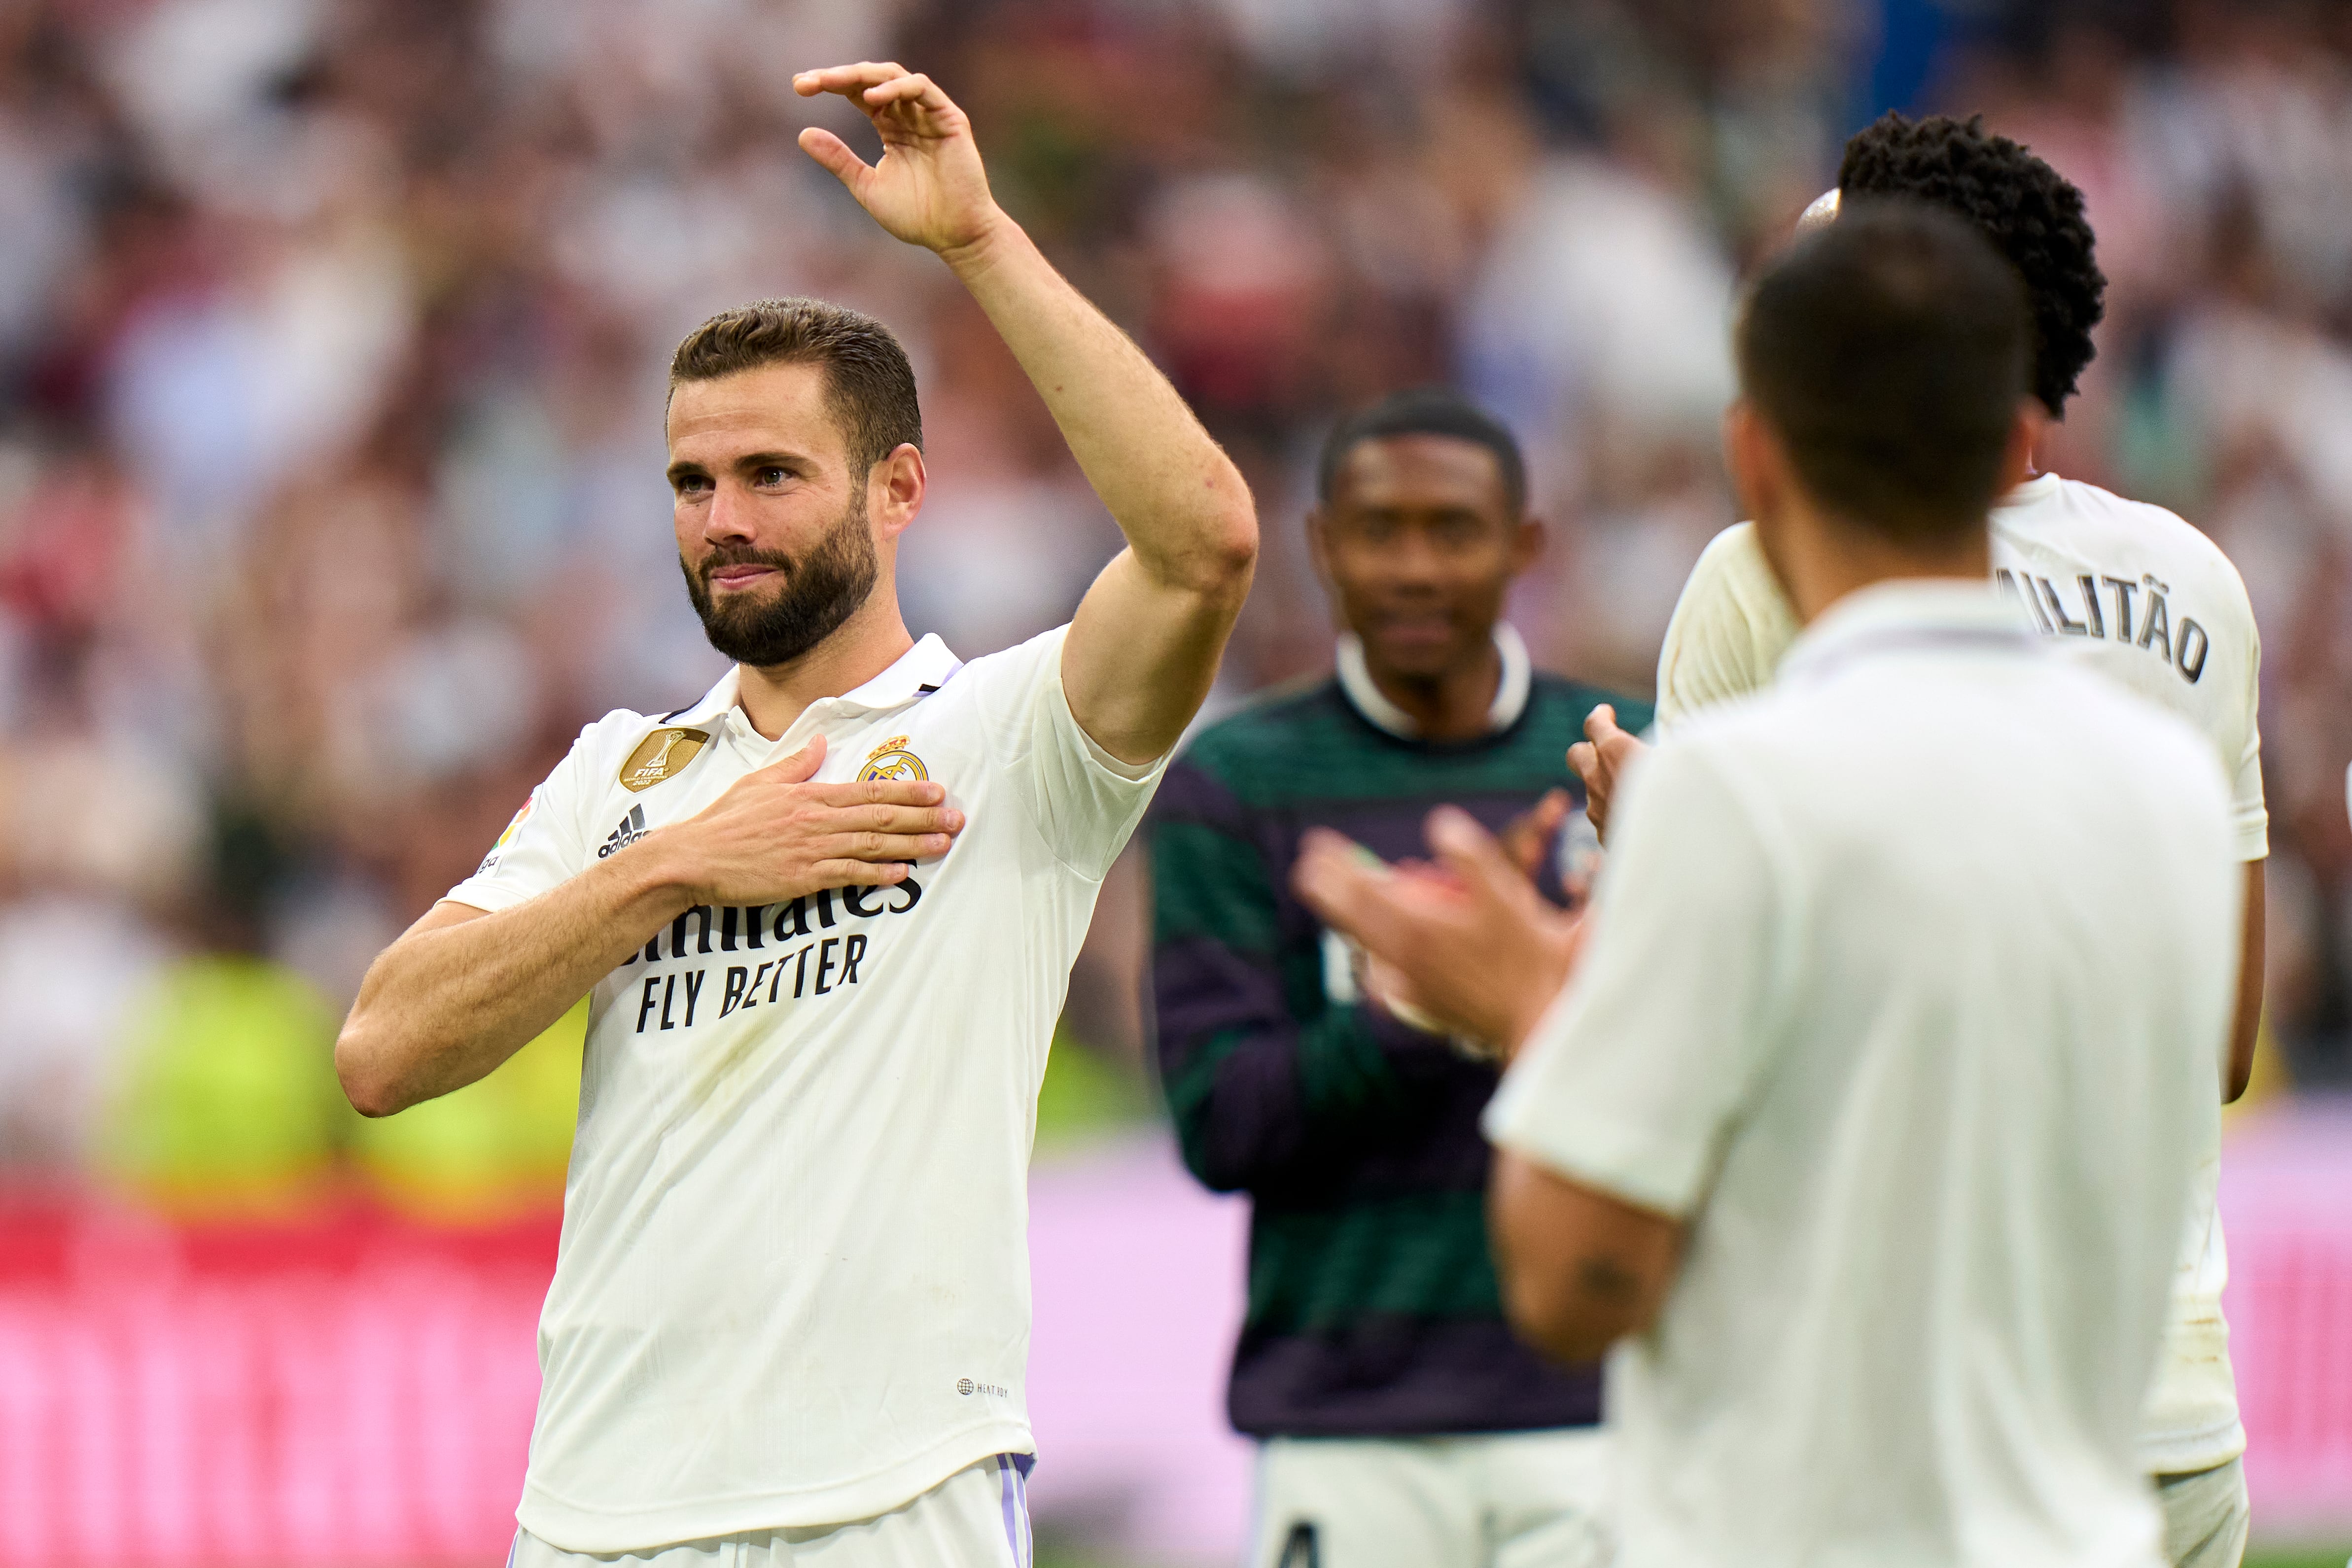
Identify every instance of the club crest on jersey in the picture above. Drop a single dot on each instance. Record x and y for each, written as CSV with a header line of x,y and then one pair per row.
x,y
891,759
659,755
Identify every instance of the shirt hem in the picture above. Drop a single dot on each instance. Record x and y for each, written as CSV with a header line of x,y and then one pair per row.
x,y
572,1528
2189,1453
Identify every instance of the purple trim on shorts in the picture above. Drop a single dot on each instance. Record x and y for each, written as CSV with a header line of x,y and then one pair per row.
x,y
1013,1488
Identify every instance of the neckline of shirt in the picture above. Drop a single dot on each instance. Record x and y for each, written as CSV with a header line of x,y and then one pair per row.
x,y
1909,614
1364,694
928,664
2041,488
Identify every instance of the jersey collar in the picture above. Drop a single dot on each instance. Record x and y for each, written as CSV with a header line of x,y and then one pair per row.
x,y
1909,614
925,667
1510,693
2041,488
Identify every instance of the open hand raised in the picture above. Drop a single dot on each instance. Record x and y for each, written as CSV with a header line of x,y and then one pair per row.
x,y
929,188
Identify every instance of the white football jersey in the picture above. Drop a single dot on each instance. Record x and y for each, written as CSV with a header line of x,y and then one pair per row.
x,y
793,1282
1899,996
2145,598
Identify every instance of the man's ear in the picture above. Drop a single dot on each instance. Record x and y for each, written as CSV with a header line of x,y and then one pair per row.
x,y
1528,545
894,490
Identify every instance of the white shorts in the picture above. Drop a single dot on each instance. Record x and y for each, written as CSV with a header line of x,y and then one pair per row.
x,y
2205,1516
978,1516
1503,1499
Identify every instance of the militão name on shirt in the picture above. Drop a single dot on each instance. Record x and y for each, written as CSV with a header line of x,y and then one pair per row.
x,y
2185,650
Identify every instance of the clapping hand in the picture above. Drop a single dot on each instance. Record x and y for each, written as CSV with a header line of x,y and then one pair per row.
x,y
1464,939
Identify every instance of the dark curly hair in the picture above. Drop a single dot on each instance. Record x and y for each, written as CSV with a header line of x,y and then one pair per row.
x,y
2032,213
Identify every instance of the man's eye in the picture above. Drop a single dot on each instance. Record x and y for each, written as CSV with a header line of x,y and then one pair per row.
x,y
773,475
693,484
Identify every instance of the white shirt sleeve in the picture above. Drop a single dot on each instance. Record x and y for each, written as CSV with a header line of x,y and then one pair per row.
x,y
545,844
1085,801
1638,1073
1730,630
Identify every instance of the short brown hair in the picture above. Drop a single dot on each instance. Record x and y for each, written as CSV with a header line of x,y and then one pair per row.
x,y
868,383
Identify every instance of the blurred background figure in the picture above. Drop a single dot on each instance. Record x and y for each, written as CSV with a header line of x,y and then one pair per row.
x,y
1400,1421
331,335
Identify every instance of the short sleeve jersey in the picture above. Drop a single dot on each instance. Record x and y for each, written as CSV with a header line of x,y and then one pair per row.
x,y
2142,597
1902,996
2130,587
793,1287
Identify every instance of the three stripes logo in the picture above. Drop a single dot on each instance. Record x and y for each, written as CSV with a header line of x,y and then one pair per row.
x,y
631,829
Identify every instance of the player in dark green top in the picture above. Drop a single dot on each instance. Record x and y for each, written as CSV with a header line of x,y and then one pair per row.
x,y
1402,1424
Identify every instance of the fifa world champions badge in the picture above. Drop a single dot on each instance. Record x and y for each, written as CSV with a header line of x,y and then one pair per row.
x,y
661,755
891,759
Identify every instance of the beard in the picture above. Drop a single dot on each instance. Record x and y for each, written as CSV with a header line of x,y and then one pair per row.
x,y
823,589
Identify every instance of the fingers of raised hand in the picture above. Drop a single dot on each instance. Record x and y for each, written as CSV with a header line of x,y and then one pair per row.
x,y
847,80
834,155
1602,723
909,89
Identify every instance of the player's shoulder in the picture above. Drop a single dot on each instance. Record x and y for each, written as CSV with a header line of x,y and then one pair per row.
x,y
2088,516
1023,663
1736,550
609,748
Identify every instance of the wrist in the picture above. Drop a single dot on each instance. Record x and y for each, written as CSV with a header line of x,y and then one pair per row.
x,y
976,255
659,871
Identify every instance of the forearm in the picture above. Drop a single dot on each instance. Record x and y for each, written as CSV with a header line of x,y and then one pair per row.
x,y
454,998
1174,494
1579,1269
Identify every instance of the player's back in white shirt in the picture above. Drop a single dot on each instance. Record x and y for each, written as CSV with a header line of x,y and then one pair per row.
x,y
793,1285
2140,595
1904,979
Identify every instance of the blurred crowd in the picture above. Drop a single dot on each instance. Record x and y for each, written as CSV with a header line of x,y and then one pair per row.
x,y
332,349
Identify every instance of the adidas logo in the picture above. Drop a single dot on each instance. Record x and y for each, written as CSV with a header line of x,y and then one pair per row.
x,y
631,829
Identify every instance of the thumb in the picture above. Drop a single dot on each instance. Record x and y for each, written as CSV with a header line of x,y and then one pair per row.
x,y
1601,723
802,765
841,162
1471,853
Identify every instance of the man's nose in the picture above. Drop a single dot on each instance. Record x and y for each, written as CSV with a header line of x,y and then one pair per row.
x,y
729,514
1411,559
